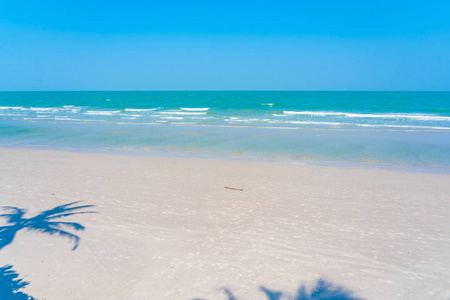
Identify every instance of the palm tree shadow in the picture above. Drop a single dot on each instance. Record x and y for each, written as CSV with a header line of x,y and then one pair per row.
x,y
42,223
322,290
11,285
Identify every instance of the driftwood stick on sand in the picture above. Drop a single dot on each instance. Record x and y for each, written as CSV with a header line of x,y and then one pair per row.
x,y
230,188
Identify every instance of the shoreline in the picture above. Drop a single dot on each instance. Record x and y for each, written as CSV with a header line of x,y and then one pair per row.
x,y
167,228
369,164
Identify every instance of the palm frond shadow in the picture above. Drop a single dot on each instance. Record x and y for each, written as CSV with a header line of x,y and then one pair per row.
x,y
42,223
323,290
11,285
229,294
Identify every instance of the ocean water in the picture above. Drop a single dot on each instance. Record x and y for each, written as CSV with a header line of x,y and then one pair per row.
x,y
384,129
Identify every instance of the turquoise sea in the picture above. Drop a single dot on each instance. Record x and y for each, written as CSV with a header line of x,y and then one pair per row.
x,y
408,130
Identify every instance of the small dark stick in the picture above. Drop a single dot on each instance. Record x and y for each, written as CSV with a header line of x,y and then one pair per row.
x,y
230,188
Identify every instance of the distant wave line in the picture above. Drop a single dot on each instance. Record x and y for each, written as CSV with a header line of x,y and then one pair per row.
x,y
181,113
172,118
11,107
44,108
140,109
101,112
195,109
419,117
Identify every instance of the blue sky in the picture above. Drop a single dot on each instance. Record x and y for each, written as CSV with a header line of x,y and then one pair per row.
x,y
224,45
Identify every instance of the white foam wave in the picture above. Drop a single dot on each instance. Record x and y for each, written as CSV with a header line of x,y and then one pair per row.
x,y
43,109
311,113
369,125
181,113
172,118
13,115
140,109
418,117
11,107
195,109
101,112
64,118
199,118
267,104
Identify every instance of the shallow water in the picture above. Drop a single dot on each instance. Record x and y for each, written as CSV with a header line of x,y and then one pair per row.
x,y
383,129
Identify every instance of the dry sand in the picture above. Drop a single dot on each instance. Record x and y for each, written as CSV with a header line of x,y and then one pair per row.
x,y
166,228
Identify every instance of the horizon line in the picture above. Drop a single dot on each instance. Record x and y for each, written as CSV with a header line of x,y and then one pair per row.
x,y
217,90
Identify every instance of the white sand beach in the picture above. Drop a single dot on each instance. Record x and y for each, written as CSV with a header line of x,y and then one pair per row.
x,y
167,228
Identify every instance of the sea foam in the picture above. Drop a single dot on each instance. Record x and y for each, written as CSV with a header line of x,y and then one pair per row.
x,y
419,117
101,112
195,109
140,109
181,113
